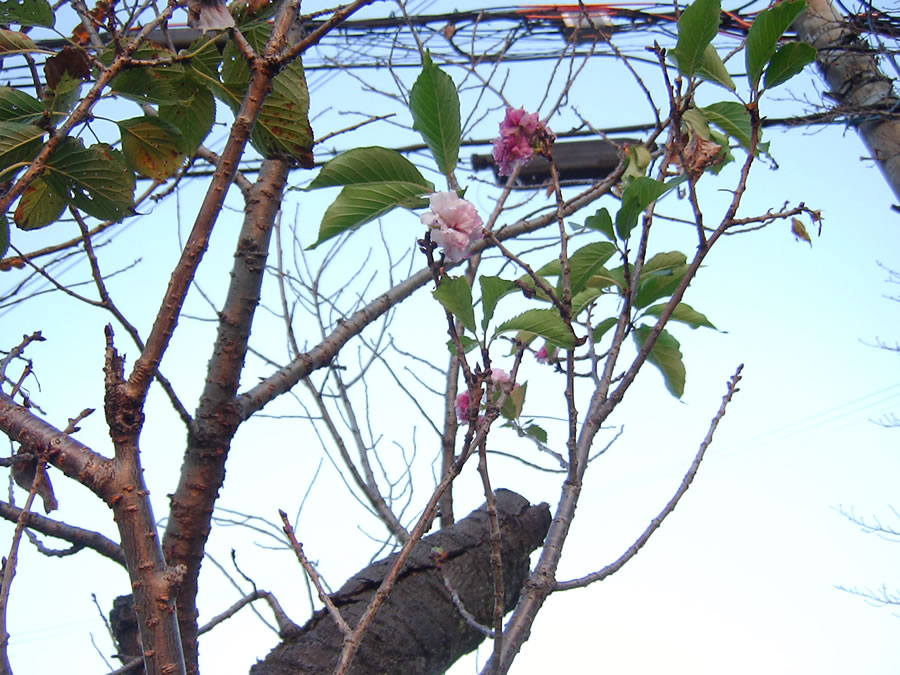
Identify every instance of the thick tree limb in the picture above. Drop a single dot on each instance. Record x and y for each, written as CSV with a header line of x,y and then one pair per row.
x,y
215,422
419,630
36,436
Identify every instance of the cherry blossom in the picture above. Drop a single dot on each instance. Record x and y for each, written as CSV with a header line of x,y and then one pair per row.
x,y
499,376
543,356
462,406
522,135
455,224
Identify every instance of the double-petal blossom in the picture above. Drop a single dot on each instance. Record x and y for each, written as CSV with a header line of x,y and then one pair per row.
x,y
522,134
455,224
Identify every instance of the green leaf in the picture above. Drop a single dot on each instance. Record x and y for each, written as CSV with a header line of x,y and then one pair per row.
x,y
580,301
4,235
95,180
367,166
150,84
434,104
640,193
603,327
27,13
146,85
697,26
536,432
39,206
492,289
194,114
789,60
665,355
357,205
587,261
664,261
524,337
18,143
732,118
544,322
763,36
152,147
638,161
376,181
468,344
601,222
696,122
683,313
713,69
282,128
17,106
64,97
660,277
659,286
512,406
14,41
605,278
204,65
455,294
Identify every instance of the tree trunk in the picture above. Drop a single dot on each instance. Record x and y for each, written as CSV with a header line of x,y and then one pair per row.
x,y
849,66
420,630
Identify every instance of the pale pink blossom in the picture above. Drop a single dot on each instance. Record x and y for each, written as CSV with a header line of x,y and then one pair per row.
x,y
499,376
462,406
455,224
521,135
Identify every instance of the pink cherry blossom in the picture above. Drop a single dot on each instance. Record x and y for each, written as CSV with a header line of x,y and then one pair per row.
x,y
543,356
462,406
521,135
455,224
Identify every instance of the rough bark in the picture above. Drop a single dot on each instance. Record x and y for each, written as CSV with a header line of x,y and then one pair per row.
x,y
850,67
420,630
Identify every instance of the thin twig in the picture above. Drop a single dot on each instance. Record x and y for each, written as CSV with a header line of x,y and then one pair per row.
x,y
335,613
669,507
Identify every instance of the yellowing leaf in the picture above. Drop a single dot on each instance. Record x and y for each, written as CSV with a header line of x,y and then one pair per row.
x,y
39,206
799,230
152,147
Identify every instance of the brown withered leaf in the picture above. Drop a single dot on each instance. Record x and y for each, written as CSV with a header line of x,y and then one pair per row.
x,y
70,61
700,153
24,473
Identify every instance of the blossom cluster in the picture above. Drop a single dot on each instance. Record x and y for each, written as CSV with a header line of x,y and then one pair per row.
x,y
455,224
522,135
464,401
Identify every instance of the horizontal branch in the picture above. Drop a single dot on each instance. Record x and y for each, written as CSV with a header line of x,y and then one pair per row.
x,y
38,437
285,378
74,535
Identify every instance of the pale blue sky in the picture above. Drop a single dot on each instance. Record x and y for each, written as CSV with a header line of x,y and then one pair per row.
x,y
740,579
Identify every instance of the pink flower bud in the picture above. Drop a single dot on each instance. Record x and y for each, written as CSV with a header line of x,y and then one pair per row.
x,y
543,356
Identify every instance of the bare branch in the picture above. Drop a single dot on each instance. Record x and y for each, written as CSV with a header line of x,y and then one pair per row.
x,y
669,507
314,576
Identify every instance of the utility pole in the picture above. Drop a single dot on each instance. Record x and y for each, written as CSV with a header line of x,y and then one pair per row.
x,y
849,66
